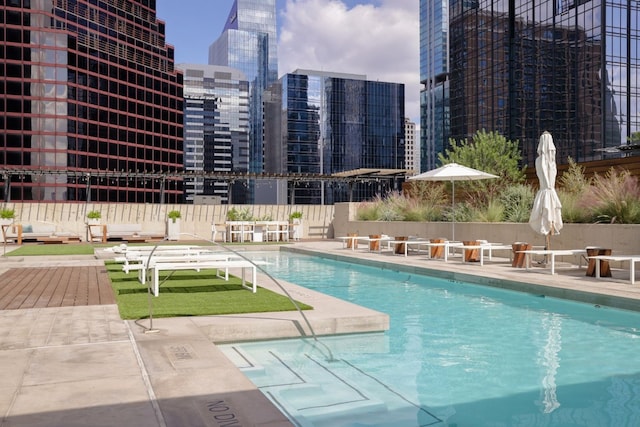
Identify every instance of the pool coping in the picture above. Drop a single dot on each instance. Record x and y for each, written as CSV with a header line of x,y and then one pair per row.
x,y
569,284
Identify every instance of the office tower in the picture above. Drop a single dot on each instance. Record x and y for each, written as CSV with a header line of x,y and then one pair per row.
x,y
249,44
571,68
434,77
88,87
411,147
323,123
216,131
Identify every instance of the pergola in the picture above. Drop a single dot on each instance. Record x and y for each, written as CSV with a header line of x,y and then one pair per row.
x,y
86,176
371,174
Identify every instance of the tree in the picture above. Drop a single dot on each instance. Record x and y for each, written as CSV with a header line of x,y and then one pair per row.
x,y
489,152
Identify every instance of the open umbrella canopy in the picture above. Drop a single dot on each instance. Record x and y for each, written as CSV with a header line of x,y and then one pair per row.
x,y
453,172
546,214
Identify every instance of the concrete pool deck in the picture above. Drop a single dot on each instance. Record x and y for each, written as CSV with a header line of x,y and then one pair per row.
x,y
83,365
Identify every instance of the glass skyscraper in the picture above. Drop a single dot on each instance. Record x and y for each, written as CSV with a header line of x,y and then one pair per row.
x,y
323,123
249,44
434,77
569,67
216,130
88,87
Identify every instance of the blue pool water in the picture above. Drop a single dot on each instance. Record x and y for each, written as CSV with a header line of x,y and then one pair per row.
x,y
455,355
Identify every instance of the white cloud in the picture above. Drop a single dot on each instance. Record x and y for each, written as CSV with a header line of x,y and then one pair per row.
x,y
379,41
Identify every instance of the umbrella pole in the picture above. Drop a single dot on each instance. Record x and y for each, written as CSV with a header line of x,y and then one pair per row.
x,y
547,245
453,211
548,237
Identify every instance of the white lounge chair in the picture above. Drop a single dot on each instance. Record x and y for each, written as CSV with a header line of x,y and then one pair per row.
x,y
552,254
631,259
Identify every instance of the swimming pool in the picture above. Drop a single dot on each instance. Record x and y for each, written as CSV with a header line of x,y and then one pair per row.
x,y
455,355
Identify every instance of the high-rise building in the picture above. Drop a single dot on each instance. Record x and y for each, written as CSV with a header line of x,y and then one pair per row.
x,y
411,147
216,130
323,123
88,86
249,44
520,68
434,77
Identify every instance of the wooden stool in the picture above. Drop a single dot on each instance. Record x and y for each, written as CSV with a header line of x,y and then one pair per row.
x,y
518,258
374,245
437,251
605,271
352,243
471,255
399,247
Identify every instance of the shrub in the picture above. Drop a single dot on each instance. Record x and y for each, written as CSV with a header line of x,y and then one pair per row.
x,y
614,198
367,211
572,212
492,212
430,198
517,201
573,180
462,212
388,212
243,214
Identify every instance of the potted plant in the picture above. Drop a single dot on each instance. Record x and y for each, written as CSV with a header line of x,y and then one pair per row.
x,y
7,216
174,215
232,214
296,219
173,225
93,217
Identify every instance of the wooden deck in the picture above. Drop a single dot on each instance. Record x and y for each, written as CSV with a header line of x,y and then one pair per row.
x,y
22,288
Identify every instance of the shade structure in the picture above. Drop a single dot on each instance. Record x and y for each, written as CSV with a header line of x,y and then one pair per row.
x,y
453,172
546,214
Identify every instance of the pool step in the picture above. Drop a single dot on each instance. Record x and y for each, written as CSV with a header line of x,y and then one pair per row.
x,y
327,392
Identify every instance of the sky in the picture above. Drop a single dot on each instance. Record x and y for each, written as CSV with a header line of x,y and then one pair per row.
x,y
378,38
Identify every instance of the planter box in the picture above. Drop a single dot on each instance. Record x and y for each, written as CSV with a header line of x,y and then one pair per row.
x,y
173,229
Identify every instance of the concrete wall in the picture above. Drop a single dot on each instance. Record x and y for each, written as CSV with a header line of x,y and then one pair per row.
x,y
195,221
620,238
320,222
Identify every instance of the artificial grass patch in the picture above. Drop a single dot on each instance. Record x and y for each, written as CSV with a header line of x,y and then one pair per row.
x,y
61,249
190,293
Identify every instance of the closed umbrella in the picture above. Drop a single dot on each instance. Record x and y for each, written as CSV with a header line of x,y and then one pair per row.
x,y
453,172
546,215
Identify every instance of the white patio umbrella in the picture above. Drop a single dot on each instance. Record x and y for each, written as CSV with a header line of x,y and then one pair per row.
x,y
453,172
546,214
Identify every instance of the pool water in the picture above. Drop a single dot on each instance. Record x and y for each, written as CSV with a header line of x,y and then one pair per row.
x,y
456,354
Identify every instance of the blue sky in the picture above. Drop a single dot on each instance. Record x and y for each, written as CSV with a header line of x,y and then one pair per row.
x,y
379,38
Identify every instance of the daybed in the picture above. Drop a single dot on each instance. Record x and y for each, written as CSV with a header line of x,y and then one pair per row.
x,y
125,232
38,232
